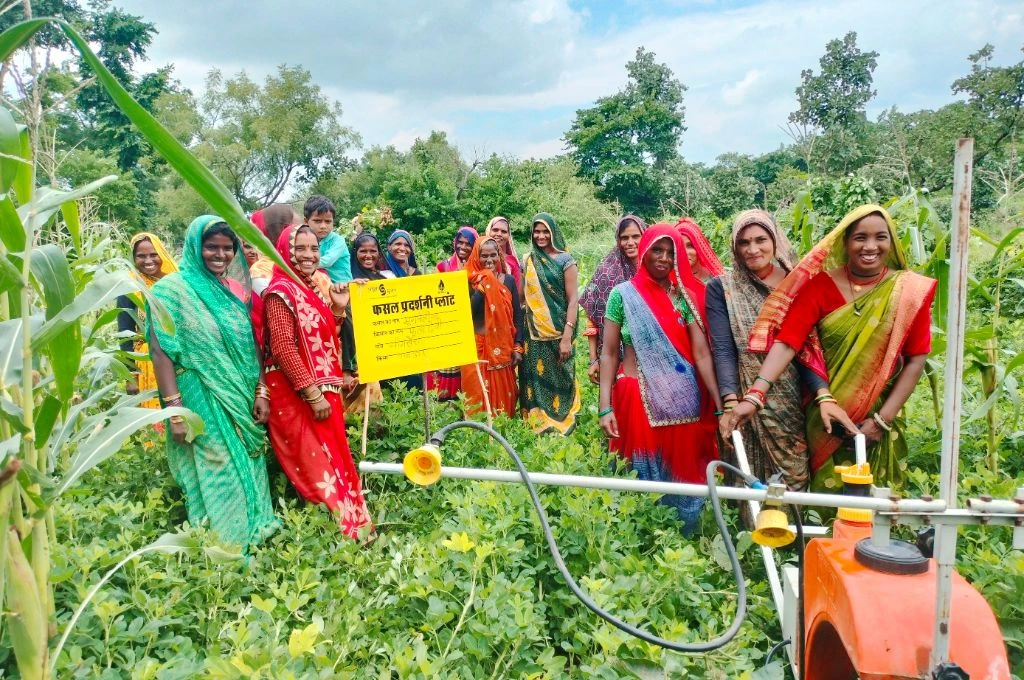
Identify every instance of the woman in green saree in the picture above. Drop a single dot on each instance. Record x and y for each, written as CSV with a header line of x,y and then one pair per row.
x,y
548,391
209,364
854,313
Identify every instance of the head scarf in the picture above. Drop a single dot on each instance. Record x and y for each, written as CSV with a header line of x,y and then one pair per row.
x,y
706,257
761,218
315,330
499,325
827,254
257,219
613,270
511,258
682,277
357,269
453,263
391,262
167,264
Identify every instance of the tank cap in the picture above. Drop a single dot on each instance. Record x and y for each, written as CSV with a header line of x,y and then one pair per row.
x,y
897,557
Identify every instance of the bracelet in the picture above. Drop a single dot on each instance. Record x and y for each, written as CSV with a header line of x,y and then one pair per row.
x,y
177,420
766,380
821,397
730,406
719,413
605,411
754,400
262,392
826,400
759,393
176,395
881,422
571,323
518,349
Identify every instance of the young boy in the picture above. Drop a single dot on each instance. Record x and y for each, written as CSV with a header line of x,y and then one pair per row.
x,y
334,256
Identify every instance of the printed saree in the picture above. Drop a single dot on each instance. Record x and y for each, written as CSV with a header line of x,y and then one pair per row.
x,y
612,270
314,454
548,390
222,473
775,440
666,417
857,347
146,377
494,347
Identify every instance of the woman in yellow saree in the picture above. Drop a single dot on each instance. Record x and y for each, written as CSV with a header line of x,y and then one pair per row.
x,y
152,262
854,313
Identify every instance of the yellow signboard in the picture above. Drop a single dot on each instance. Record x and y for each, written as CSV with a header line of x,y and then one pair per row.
x,y
412,325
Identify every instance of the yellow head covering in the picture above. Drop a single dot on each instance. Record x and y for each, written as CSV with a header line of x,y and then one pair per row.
x,y
167,263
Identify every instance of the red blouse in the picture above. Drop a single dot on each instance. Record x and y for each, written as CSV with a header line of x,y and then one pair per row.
x,y
821,297
281,325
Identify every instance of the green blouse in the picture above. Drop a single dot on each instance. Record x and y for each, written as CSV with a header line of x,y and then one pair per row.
x,y
616,311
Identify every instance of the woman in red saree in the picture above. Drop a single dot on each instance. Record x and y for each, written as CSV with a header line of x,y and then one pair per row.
x,y
659,404
854,313
303,375
703,262
497,323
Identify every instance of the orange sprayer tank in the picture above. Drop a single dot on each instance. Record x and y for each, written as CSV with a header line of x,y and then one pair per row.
x,y
864,623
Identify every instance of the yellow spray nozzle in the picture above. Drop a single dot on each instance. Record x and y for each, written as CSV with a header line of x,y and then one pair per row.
x,y
772,529
859,473
423,465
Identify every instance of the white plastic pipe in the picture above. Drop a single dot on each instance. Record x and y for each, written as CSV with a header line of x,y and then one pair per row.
x,y
767,554
860,446
671,488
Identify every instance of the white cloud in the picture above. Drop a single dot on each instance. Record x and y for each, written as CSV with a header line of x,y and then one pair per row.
x,y
506,76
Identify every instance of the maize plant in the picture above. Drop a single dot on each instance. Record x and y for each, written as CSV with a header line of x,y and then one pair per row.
x,y
58,420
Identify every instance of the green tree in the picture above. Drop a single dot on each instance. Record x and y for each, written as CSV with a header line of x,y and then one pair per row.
x,y
624,143
830,123
260,140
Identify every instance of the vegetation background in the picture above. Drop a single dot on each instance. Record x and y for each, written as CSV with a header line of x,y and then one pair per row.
x,y
459,583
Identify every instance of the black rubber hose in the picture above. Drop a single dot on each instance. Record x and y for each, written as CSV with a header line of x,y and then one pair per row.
x,y
640,633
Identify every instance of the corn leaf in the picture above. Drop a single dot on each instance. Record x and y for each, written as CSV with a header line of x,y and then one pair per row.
x,y
50,268
12,231
73,221
105,441
10,150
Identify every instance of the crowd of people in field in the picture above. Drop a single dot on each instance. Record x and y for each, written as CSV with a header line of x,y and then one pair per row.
x,y
796,353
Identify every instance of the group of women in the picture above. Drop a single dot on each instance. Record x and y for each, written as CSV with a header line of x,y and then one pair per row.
x,y
796,354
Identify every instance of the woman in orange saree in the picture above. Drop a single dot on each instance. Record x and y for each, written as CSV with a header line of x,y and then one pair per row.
x,y
498,326
854,313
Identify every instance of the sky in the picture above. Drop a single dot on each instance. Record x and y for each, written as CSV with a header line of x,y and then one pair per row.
x,y
507,76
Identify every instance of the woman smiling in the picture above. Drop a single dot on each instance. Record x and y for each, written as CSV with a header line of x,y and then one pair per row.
x,y
304,378
210,364
873,317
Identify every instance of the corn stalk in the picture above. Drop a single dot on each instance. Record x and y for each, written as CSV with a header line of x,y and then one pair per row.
x,y
44,298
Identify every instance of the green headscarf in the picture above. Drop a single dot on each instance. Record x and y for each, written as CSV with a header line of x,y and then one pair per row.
x,y
213,332
550,272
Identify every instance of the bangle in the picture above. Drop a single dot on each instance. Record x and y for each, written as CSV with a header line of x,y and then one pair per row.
x,y
605,411
755,397
518,349
881,422
172,397
719,413
821,397
570,323
177,420
730,406
766,380
826,400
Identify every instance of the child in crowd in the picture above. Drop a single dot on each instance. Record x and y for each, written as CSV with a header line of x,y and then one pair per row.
x,y
334,256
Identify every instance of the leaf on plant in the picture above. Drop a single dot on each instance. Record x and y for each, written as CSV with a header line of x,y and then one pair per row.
x,y
12,231
106,439
459,542
773,671
302,641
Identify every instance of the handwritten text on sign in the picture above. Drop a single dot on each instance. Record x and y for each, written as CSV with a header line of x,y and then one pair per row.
x,y
412,325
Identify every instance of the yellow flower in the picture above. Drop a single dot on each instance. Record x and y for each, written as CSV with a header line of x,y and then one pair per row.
x,y
459,542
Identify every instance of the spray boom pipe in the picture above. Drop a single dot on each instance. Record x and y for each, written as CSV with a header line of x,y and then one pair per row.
x,y
741,593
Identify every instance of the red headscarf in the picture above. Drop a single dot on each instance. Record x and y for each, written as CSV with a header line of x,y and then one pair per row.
x,y
706,257
316,331
499,318
681,276
257,219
